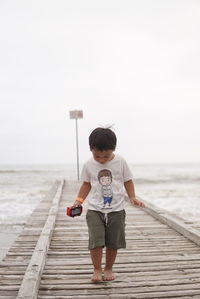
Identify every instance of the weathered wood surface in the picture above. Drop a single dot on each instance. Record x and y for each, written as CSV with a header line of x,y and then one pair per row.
x,y
32,277
185,228
158,262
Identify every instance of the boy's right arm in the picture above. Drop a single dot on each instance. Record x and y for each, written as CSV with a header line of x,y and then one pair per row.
x,y
83,192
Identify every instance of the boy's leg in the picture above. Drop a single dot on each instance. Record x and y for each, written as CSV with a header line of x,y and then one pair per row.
x,y
96,229
110,259
115,238
96,256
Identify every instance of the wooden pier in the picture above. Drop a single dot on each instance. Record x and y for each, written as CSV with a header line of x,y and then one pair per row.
x,y
50,258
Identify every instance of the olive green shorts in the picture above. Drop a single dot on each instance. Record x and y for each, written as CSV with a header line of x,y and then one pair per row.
x,y
106,229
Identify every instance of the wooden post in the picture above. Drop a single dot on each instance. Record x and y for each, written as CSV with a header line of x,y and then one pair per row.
x,y
75,114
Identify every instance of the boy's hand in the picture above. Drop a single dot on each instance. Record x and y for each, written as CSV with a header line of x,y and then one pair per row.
x,y
77,203
137,202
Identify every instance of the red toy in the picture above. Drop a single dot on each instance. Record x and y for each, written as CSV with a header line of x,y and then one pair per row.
x,y
75,210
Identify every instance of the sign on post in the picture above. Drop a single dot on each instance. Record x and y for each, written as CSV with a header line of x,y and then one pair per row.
x,y
75,114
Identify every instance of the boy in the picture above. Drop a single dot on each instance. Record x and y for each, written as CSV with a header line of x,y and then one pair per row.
x,y
105,175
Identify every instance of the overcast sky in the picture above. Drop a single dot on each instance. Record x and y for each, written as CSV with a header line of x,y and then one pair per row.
x,y
134,64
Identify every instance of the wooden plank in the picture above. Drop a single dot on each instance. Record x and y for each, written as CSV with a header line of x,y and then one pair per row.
x,y
139,293
34,270
183,227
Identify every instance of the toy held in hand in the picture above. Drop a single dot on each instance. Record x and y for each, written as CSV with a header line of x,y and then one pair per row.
x,y
75,210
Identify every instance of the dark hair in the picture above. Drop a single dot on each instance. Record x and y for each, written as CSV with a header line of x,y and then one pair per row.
x,y
102,139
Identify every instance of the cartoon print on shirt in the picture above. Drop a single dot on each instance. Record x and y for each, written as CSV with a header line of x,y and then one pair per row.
x,y
105,179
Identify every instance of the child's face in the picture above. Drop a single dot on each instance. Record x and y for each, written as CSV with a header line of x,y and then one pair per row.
x,y
102,156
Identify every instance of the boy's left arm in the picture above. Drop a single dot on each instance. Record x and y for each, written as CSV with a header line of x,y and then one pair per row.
x,y
129,186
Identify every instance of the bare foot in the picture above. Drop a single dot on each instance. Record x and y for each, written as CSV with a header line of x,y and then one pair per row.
x,y
97,275
108,275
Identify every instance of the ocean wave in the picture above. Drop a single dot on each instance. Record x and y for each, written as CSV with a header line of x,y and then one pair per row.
x,y
174,188
146,179
170,180
23,171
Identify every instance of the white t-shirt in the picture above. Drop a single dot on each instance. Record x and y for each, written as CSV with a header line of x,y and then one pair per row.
x,y
107,181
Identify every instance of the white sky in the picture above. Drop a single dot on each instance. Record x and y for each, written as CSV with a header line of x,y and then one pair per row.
x,y
134,64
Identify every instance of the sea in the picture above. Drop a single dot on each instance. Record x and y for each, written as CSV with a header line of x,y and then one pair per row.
x,y
173,187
